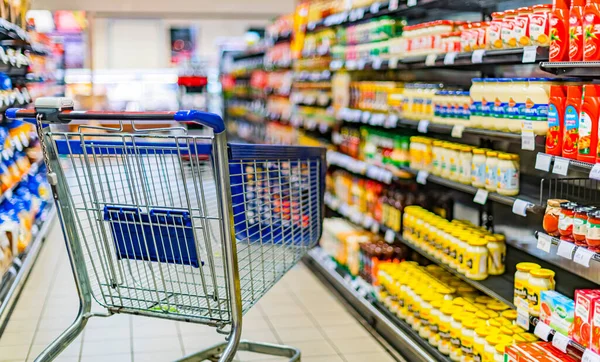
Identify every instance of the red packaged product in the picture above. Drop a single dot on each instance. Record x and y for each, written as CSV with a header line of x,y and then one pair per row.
x,y
571,120
559,31
591,31
584,301
588,124
556,124
595,326
576,30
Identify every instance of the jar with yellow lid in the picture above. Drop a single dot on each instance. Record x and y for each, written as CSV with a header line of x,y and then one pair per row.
x,y
478,167
517,338
415,308
468,307
496,254
445,160
445,326
480,314
434,321
507,331
499,352
479,340
522,280
491,342
468,337
539,281
491,169
465,162
466,290
511,315
503,321
491,313
529,337
456,333
497,306
508,174
461,246
425,314
436,162
517,329
453,161
494,322
477,259
484,299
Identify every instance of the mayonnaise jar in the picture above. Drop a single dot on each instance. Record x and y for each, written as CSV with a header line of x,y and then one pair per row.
x,y
516,101
536,104
491,169
502,92
487,103
508,174
464,165
476,94
478,167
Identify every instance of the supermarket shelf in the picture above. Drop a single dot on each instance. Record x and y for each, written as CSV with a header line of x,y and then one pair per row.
x,y
495,286
573,69
556,241
383,175
574,349
391,121
395,331
250,54
471,60
574,165
13,281
32,171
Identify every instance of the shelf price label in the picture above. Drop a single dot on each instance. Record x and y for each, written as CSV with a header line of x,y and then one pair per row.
x,y
374,9
527,136
336,64
542,162
376,63
565,249
477,57
423,125
393,5
542,330
449,58
529,54
430,60
375,227
589,356
365,117
520,207
422,177
595,172
544,242
411,3
583,256
481,196
393,63
560,341
390,235
561,166
392,121
457,131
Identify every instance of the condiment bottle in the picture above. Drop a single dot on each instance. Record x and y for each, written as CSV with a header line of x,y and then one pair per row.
x,y
591,41
496,254
540,280
565,220
580,221
571,119
593,231
551,216
522,280
576,30
587,142
559,31
556,114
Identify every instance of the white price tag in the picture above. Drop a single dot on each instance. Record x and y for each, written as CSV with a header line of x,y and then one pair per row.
x,y
376,63
423,125
589,356
374,8
565,249
477,56
360,64
449,58
375,227
561,166
336,64
560,341
595,172
542,162
411,3
392,121
390,235
520,207
583,256
523,318
457,131
544,242
481,197
367,221
430,60
422,177
522,304
393,63
528,141
529,54
393,5
364,118
542,330
351,64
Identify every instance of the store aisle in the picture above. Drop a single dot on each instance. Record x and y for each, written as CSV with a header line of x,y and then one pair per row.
x,y
298,311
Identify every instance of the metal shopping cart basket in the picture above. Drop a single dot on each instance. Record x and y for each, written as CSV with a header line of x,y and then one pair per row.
x,y
165,224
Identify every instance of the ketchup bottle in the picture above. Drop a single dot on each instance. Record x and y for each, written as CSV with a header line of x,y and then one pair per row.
x,y
588,124
576,30
559,31
571,120
556,124
591,32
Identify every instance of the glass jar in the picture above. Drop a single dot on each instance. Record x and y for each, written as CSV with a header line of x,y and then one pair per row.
x,y
425,315
478,167
540,280
496,254
551,217
436,151
453,154
468,337
499,352
479,340
466,159
477,259
508,174
491,169
445,343
565,220
511,315
522,280
434,322
592,238
456,334
475,93
580,220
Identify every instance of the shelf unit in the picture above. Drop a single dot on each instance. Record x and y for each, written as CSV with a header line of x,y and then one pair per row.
x,y
573,69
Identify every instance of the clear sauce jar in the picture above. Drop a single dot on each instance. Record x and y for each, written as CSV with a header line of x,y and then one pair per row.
x,y
434,322
436,151
445,325
580,222
453,155
481,333
491,170
477,259
478,172
475,93
425,315
496,254
522,280
565,220
465,162
499,352
468,338
456,334
508,174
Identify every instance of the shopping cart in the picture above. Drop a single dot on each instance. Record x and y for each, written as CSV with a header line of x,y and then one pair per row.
x,y
164,224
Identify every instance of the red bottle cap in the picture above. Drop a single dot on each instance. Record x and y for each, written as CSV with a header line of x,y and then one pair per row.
x,y
558,91
590,90
574,91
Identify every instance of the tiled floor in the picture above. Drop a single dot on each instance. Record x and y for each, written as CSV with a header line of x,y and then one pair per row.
x,y
298,311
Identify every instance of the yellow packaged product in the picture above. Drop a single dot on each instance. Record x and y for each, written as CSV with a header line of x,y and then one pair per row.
x,y
540,280
491,342
456,329
517,338
522,280
491,313
504,321
434,321
445,327
494,323
477,259
496,254
529,337
468,337
479,341
505,330
425,314
511,315
499,351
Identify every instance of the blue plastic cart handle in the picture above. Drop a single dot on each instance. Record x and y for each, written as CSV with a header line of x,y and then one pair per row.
x,y
204,118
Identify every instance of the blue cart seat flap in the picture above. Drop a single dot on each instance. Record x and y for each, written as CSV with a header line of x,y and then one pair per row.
x,y
165,235
98,147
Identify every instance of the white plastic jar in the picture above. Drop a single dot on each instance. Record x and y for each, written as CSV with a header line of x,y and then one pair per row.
x,y
487,103
475,94
465,162
491,170
478,167
517,99
503,89
508,172
453,161
536,103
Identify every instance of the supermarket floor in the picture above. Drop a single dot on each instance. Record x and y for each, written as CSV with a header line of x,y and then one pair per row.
x,y
298,311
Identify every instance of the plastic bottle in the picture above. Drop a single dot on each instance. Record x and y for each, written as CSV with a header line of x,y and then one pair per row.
x,y
576,30
591,20
571,120
556,114
588,124
559,31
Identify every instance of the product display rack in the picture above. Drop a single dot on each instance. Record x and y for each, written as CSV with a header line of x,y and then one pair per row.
x,y
573,69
